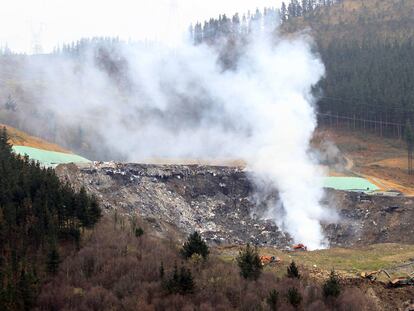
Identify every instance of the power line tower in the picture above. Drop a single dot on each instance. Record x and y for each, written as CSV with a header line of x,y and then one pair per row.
x,y
37,34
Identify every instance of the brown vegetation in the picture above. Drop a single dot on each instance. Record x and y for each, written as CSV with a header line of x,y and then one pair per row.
x,y
20,138
115,270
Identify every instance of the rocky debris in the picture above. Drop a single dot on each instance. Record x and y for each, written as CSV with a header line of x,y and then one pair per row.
x,y
216,201
376,219
408,305
222,204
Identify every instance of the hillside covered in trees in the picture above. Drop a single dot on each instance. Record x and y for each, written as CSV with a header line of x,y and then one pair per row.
x,y
37,214
366,46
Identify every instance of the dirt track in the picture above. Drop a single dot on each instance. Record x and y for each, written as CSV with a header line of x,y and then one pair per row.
x,y
380,160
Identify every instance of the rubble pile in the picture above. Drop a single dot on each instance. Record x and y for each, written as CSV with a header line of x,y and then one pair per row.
x,y
221,203
216,201
370,219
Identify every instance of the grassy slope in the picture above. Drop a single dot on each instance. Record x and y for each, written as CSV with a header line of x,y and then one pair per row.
x,y
347,262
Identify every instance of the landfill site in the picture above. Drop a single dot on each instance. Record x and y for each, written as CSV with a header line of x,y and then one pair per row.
x,y
370,245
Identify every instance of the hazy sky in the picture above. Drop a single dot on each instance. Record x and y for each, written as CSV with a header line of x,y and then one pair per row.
x,y
54,22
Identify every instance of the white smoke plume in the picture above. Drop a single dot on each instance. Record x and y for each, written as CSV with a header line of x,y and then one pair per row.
x,y
180,103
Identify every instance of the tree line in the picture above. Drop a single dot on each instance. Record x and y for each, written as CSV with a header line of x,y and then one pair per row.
x,y
37,212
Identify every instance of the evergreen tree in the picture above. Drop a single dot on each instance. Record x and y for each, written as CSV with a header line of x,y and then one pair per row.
x,y
294,297
5,146
139,232
293,271
53,260
35,207
332,288
249,263
283,12
195,245
27,290
180,282
273,300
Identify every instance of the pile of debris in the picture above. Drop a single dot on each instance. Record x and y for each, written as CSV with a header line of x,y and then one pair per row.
x,y
221,203
216,201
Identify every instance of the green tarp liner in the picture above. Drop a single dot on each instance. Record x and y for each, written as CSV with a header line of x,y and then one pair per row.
x,y
349,184
49,158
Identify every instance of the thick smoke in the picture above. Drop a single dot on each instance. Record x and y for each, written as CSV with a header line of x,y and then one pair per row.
x,y
179,103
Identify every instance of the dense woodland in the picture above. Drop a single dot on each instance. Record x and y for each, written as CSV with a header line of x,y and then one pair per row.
x,y
37,214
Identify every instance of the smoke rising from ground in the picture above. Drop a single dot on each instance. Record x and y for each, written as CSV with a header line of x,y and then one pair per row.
x,y
160,102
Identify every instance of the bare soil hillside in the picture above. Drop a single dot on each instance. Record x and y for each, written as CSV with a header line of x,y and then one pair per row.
x,y
381,160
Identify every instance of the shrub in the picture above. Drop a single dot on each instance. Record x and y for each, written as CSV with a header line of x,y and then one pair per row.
x,y
195,245
273,299
139,232
294,297
332,288
293,271
249,263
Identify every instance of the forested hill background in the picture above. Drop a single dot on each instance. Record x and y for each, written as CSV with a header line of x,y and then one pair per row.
x,y
358,20
367,47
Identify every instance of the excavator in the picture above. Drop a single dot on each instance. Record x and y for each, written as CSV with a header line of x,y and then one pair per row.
x,y
372,275
397,282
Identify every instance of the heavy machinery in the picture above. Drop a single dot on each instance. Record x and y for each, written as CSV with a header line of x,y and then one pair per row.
x,y
372,275
402,281
267,260
299,247
397,282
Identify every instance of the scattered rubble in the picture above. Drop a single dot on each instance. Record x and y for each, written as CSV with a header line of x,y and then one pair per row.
x,y
220,203
216,201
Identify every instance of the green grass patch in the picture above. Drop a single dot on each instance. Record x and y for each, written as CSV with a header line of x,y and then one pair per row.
x,y
347,261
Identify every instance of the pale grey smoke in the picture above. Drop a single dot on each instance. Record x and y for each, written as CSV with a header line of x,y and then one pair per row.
x,y
180,103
